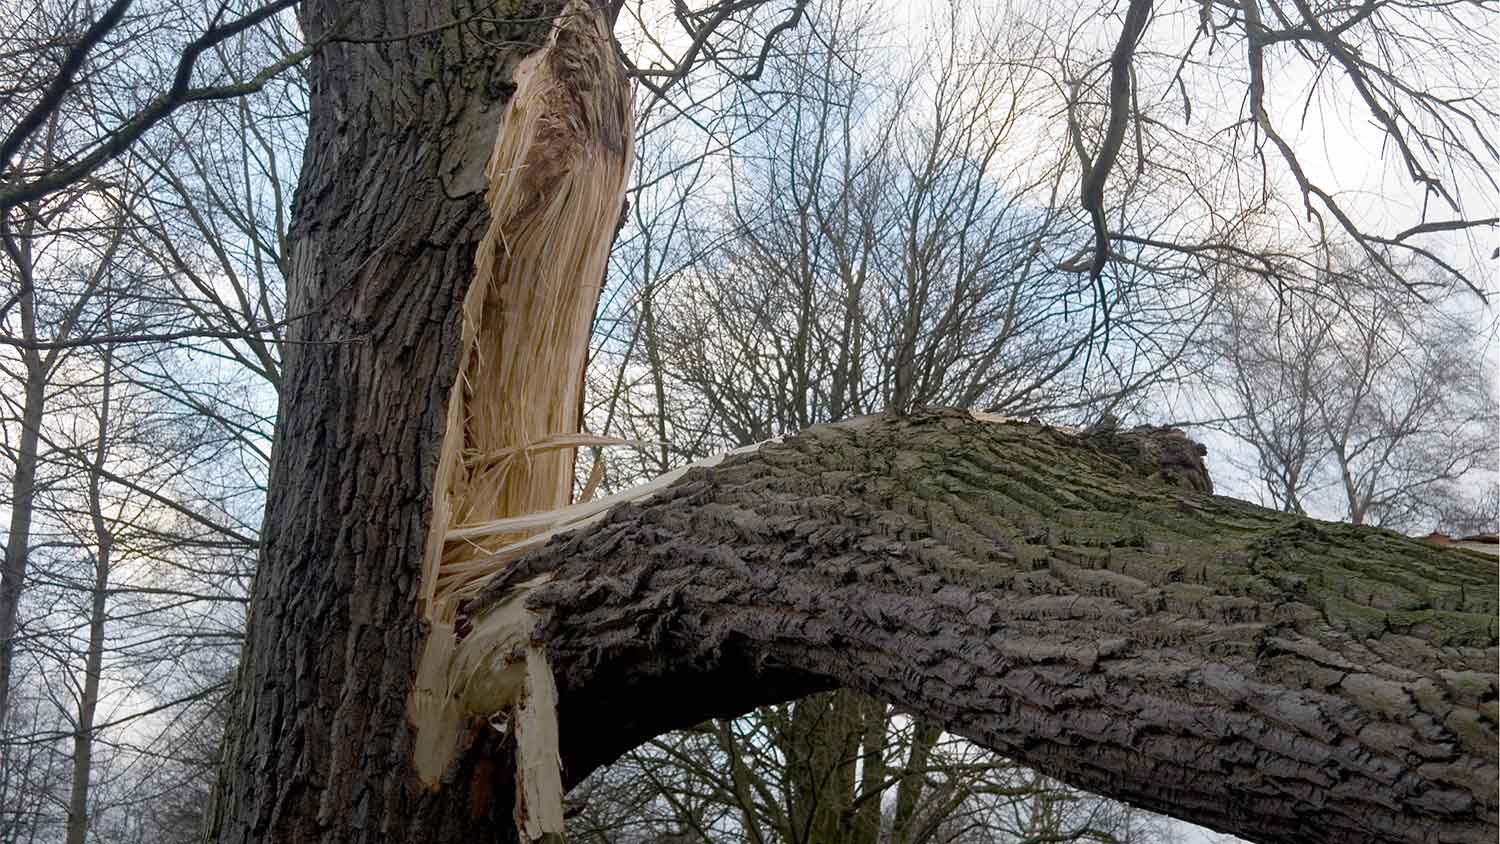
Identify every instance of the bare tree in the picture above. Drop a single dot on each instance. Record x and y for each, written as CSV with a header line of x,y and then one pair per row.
x,y
102,557
843,770
124,595
882,239
54,279
117,273
875,241
1472,514
1360,400
61,164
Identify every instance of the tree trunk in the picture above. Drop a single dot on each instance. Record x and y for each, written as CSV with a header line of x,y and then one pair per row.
x,y
740,776
821,749
1250,671
389,214
865,825
924,736
93,665
23,479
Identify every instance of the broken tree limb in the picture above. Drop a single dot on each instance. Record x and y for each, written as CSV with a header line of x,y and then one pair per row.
x,y
1073,601
1224,664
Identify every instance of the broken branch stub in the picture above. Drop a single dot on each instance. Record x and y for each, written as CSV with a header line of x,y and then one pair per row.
x,y
556,175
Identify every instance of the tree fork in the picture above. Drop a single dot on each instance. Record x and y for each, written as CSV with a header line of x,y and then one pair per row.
x,y
432,378
557,183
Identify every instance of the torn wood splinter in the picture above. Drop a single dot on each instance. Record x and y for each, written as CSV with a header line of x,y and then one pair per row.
x,y
557,172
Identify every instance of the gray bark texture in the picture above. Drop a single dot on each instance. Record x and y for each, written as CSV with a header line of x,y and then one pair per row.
x,y
1079,603
1076,602
22,489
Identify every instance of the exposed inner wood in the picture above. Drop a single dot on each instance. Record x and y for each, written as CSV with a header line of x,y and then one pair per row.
x,y
557,181
556,176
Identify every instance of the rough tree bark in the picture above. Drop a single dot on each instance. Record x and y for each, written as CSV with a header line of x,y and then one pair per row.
x,y
1047,595
1251,671
389,214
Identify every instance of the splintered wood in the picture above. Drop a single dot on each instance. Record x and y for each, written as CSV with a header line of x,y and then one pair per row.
x,y
557,184
557,175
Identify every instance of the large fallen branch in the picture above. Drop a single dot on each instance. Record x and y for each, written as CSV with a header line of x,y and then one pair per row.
x,y
1077,602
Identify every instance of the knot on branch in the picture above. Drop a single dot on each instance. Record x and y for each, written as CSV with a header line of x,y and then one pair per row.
x,y
1156,452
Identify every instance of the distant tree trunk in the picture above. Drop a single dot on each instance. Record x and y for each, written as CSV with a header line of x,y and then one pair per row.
x,y
1250,671
23,477
865,825
17,545
740,776
821,750
59,325
924,735
93,664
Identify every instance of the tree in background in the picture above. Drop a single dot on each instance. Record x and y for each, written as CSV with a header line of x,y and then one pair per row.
x,y
883,236
1360,399
142,315
132,606
834,773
